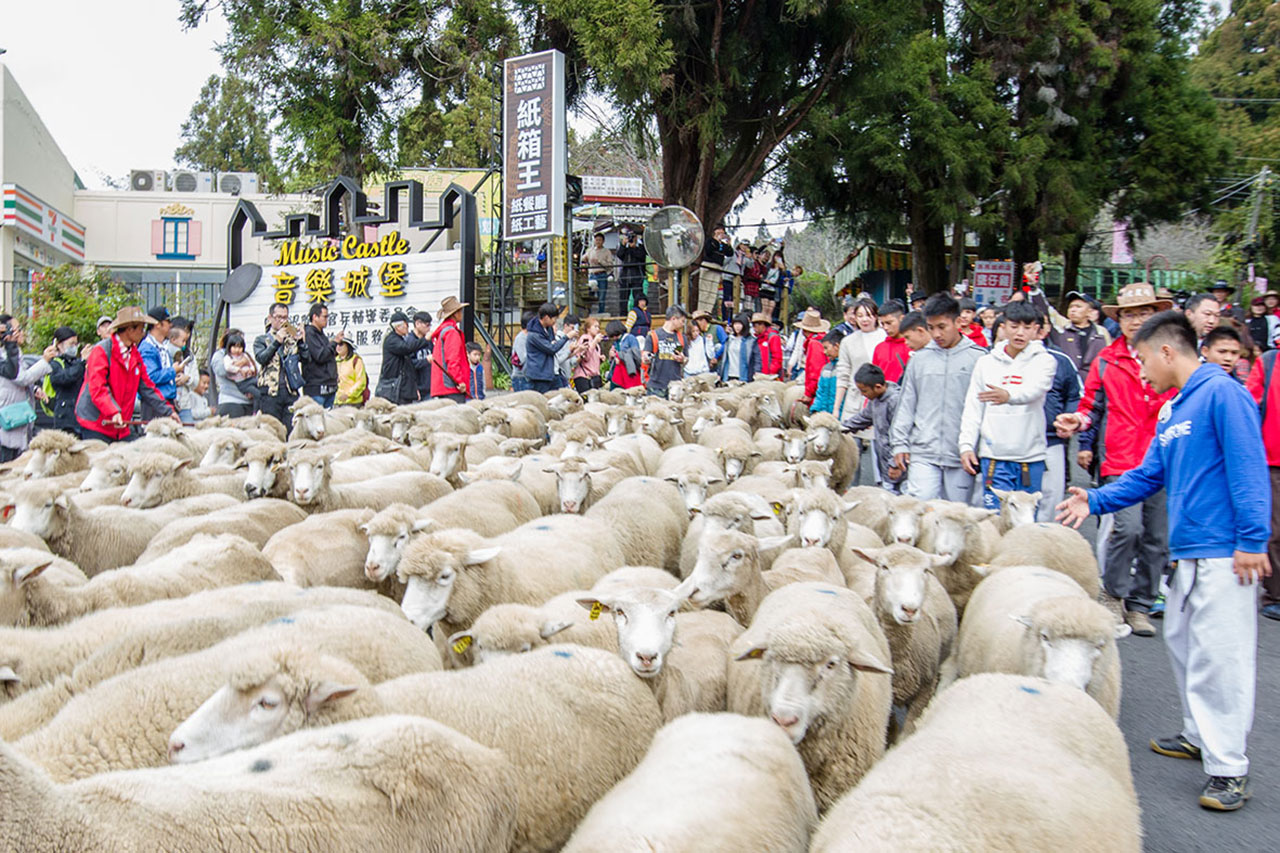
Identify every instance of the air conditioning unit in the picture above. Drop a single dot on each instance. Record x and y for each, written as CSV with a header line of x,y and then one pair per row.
x,y
192,182
238,183
148,180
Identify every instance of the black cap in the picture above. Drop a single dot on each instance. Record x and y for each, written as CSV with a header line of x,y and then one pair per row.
x,y
158,312
398,317
63,333
1073,295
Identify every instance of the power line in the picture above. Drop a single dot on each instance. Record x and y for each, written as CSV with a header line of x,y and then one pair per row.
x,y
1249,100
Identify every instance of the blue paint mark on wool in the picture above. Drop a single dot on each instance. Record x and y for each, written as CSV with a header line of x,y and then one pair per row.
x,y
260,766
563,654
826,591
543,527
1031,690
283,620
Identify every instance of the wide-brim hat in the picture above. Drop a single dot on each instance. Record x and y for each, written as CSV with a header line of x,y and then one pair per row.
x,y
813,321
760,317
701,315
1221,284
130,316
450,306
1137,295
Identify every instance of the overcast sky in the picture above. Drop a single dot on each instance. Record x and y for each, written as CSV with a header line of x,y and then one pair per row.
x,y
114,80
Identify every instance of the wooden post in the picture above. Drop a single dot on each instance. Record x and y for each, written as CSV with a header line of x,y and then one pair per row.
x,y
785,314
737,295
684,277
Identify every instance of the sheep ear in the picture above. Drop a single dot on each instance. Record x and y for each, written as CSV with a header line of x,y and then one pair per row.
x,y
672,479
753,653
1037,496
326,692
1024,621
1122,630
756,453
481,555
364,528
78,447
422,524
867,663
711,481
29,572
829,465
7,675
179,464
463,477
871,555
550,629
937,561
61,502
595,605
981,569
460,642
1002,494
771,543
852,505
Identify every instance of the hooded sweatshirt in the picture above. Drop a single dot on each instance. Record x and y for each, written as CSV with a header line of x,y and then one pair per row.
x,y
934,386
1207,455
1012,431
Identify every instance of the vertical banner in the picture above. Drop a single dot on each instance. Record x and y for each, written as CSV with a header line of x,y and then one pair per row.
x,y
534,146
992,282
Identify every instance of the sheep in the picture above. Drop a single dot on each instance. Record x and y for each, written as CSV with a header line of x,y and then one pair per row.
x,y
662,428
106,470
682,656
452,453
19,567
823,677
815,517
349,445
604,396
204,562
314,490
95,540
255,521
373,417
729,569
358,469
794,412
48,666
124,722
453,575
773,491
591,417
225,450
729,510
797,565
446,417
618,421
266,471
512,422
649,519
572,720
1028,620
12,537
324,549
1016,509
529,472
738,457
54,453
1052,546
155,478
759,410
956,531
310,421
694,470
489,507
633,576
827,441
514,448
719,435
988,742
873,511
374,786
708,781
563,402
703,418
814,473
579,482
903,515
769,442
507,629
643,448
918,620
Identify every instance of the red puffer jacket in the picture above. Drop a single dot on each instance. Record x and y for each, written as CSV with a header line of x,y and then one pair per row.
x,y
1257,384
113,379
891,356
815,358
1115,388
449,360
770,354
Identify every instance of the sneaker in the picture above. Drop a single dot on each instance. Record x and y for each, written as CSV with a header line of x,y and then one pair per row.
x,y
1157,608
1140,623
1175,747
1225,793
1271,611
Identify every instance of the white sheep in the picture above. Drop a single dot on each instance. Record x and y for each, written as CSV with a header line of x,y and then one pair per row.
x,y
772,490
872,511
12,537
324,549
257,521
822,676
124,722
225,450
514,422
646,451
1016,509
387,784
798,565
695,471
1052,546
633,576
708,782
155,479
527,471
960,533
108,469
19,568
662,428
730,510
1028,620
580,482
508,629
53,453
572,720
357,469
314,490
95,540
987,743
648,518
266,470
453,453
729,569
827,441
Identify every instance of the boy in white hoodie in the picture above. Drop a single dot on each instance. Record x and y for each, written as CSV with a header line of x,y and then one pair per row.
x,y
1001,429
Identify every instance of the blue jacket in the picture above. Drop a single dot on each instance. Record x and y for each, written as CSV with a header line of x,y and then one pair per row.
x,y
159,366
751,361
477,381
543,346
1063,396
824,399
1208,456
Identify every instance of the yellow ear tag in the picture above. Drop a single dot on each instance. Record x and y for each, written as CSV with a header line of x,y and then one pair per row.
x,y
777,508
595,611
462,645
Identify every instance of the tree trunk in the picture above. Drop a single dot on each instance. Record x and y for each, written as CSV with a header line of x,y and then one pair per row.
x,y
1071,263
959,258
1025,241
928,248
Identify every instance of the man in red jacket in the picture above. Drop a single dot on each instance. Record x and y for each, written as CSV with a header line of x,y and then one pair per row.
x,y
892,353
114,376
814,328
770,347
1265,389
1115,388
450,368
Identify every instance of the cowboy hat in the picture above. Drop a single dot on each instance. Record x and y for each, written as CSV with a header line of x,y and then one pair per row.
x,y
1136,295
131,315
450,306
761,318
701,315
813,322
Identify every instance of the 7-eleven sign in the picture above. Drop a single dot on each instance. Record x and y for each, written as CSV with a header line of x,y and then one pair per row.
x,y
27,213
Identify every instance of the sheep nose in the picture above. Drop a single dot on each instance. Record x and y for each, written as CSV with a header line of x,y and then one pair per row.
x,y
175,746
904,540
569,507
910,612
646,660
811,543
786,721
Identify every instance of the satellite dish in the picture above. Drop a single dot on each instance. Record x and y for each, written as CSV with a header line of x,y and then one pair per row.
x,y
240,283
674,237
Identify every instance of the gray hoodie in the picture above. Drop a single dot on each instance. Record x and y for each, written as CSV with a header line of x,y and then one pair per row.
x,y
927,424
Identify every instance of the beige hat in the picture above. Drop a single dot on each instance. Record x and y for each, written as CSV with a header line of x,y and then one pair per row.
x,y
1137,295
701,315
758,317
450,306
813,322
130,316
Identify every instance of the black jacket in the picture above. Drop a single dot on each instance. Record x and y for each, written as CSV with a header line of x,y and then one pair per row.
x,y
66,375
1260,332
319,363
631,263
397,362
1080,345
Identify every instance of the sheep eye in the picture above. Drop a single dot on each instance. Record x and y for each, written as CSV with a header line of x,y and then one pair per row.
x,y
48,504
1044,635
445,577
526,647
831,664
402,537
267,704
620,614
736,555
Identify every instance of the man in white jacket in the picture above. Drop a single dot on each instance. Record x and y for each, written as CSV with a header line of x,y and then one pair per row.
x,y
1002,428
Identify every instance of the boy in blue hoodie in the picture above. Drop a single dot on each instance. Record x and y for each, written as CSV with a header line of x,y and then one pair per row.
x,y
1219,523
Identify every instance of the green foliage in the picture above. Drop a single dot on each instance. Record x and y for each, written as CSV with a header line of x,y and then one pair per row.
x,y
227,132
73,296
815,290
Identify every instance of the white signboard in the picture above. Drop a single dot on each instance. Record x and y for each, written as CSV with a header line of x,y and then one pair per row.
x,y
535,153
992,282
607,186
361,294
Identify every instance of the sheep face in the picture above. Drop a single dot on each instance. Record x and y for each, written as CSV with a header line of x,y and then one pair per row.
x,y
431,575
804,684
108,471
901,578
618,422
309,423
577,444
1018,508
707,418
149,486
815,475
260,475
40,511
823,439
573,486
400,425
495,423
310,477
952,525
565,402
793,446
728,563
769,407
904,520
646,623
165,429
44,462
814,521
1065,638
387,541
447,456
693,488
223,451
504,630
654,425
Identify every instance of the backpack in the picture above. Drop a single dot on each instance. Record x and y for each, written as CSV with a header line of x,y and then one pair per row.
x,y
653,339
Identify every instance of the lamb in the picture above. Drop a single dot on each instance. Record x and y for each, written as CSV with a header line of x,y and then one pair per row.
x,y
255,521
1052,546
708,781
823,677
918,620
124,722
155,478
54,453
649,519
572,720
956,531
728,569
95,540
798,565
1016,509
489,507
1041,745
203,563
454,575
372,786
1028,620
18,569
225,450
682,656
513,422
828,441
662,428
324,549
452,453
580,482
313,489
107,469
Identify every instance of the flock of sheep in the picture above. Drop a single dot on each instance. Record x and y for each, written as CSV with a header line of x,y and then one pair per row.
x,y
542,623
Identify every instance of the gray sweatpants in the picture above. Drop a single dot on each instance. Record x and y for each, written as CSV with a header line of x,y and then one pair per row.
x,y
1140,531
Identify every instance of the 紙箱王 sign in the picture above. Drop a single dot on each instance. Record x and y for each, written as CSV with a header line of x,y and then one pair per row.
x,y
534,148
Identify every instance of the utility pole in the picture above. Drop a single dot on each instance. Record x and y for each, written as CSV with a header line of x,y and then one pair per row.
x,y
1251,247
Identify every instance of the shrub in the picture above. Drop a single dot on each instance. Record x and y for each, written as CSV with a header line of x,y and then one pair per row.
x,y
72,296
